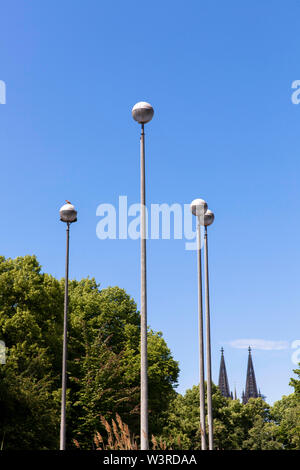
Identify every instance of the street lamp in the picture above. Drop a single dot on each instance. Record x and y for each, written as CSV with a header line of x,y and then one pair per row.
x,y
68,214
142,113
206,221
198,208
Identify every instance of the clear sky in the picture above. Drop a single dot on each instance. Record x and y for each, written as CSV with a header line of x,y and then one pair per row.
x,y
219,76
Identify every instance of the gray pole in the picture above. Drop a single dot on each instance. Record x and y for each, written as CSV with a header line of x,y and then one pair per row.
x,y
208,347
64,360
142,112
144,375
201,349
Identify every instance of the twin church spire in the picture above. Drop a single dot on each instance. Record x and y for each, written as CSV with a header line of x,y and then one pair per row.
x,y
251,390
251,387
223,379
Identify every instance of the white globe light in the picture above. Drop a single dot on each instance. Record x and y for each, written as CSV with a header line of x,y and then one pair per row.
x,y
209,217
68,213
142,112
198,207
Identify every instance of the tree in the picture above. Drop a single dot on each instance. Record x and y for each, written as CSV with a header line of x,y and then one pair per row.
x,y
296,382
286,414
262,436
232,420
30,320
100,389
103,358
183,419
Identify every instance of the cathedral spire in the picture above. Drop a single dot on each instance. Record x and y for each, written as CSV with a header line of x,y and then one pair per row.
x,y
223,379
251,387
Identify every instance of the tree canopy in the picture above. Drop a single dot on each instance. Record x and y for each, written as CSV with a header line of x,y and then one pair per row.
x,y
237,426
103,358
104,373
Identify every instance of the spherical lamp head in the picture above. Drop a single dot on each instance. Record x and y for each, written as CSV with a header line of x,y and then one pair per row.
x,y
142,112
209,217
198,207
68,213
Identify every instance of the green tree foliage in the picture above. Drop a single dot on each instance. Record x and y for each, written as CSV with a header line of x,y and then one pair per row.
x,y
296,383
30,324
103,358
104,373
229,421
286,414
262,436
253,426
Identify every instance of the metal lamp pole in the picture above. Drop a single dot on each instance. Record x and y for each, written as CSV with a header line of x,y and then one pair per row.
x,y
198,208
68,214
142,113
208,220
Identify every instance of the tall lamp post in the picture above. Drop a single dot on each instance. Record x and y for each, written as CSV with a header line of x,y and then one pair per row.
x,y
68,214
198,208
142,113
208,220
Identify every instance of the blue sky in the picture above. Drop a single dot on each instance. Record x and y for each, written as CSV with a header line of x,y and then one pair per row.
x,y
219,77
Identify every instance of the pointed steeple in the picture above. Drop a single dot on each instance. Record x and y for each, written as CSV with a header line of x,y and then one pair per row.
x,y
223,379
251,387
